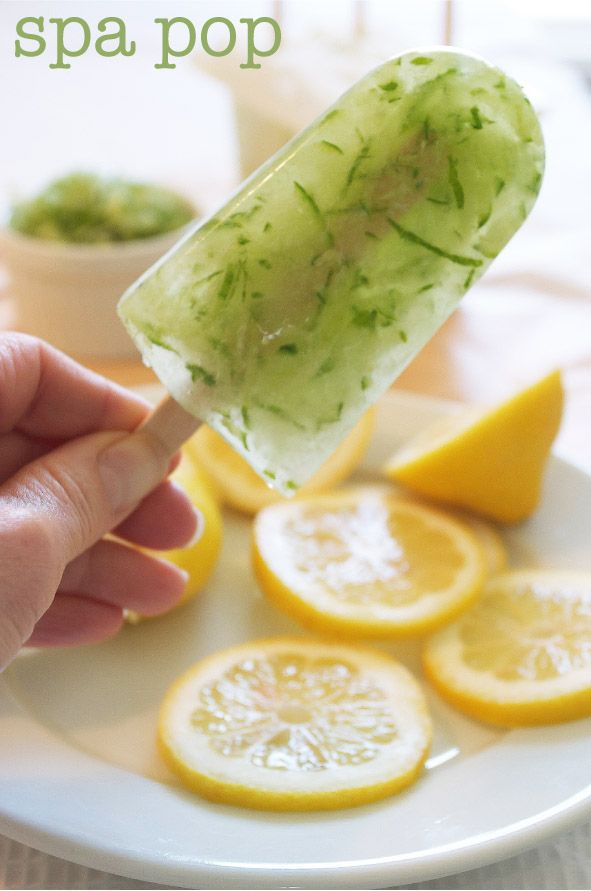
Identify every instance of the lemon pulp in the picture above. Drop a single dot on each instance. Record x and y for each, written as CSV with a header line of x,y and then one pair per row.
x,y
366,563
522,655
292,724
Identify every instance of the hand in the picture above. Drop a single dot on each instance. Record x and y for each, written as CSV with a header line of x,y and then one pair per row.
x,y
69,473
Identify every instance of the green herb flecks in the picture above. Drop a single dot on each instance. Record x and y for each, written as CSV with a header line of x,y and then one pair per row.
x,y
371,318
403,336
413,238
220,347
270,474
499,185
289,348
359,280
245,417
312,204
309,199
209,277
487,252
157,341
326,367
236,432
389,87
426,288
428,132
535,184
280,413
444,201
267,227
454,181
198,373
365,382
362,156
332,146
291,485
266,264
321,295
469,279
421,60
365,318
156,338
333,418
237,219
227,283
330,115
483,220
476,119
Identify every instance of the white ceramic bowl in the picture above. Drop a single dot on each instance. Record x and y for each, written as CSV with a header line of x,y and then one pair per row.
x,y
67,293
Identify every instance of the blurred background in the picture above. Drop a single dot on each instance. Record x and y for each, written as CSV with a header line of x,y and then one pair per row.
x,y
204,125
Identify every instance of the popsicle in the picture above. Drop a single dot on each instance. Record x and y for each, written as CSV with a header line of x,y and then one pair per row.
x,y
280,319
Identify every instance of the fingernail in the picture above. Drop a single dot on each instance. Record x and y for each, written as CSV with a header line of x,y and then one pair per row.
x,y
186,578
130,469
199,528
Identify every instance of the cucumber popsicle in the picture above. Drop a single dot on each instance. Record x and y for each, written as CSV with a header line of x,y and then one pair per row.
x,y
280,319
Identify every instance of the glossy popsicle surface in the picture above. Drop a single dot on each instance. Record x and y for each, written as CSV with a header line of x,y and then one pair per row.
x,y
282,318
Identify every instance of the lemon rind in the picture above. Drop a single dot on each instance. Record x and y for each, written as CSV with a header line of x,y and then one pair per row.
x,y
222,790
508,703
389,623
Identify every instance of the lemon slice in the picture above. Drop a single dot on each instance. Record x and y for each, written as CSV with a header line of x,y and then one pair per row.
x,y
199,559
241,488
492,461
522,655
366,563
293,724
489,538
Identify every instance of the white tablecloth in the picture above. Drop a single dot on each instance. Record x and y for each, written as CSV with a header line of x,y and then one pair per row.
x,y
562,863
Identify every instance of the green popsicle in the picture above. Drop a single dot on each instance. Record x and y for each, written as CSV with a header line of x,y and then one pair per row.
x,y
280,319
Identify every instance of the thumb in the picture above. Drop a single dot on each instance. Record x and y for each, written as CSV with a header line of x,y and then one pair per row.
x,y
60,505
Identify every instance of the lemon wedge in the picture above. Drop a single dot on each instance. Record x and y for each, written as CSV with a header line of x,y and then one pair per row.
x,y
199,559
522,655
238,486
293,724
366,563
492,461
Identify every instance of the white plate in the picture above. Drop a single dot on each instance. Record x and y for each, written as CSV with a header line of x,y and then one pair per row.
x,y
80,777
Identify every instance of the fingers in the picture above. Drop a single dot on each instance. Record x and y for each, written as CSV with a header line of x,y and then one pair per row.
x,y
45,394
29,577
113,573
97,586
164,519
85,488
18,450
72,620
56,508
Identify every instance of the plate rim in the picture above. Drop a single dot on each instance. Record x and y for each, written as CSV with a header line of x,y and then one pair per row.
x,y
433,863
421,865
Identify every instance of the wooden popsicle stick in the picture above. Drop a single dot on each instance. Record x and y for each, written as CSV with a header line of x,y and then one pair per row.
x,y
170,424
